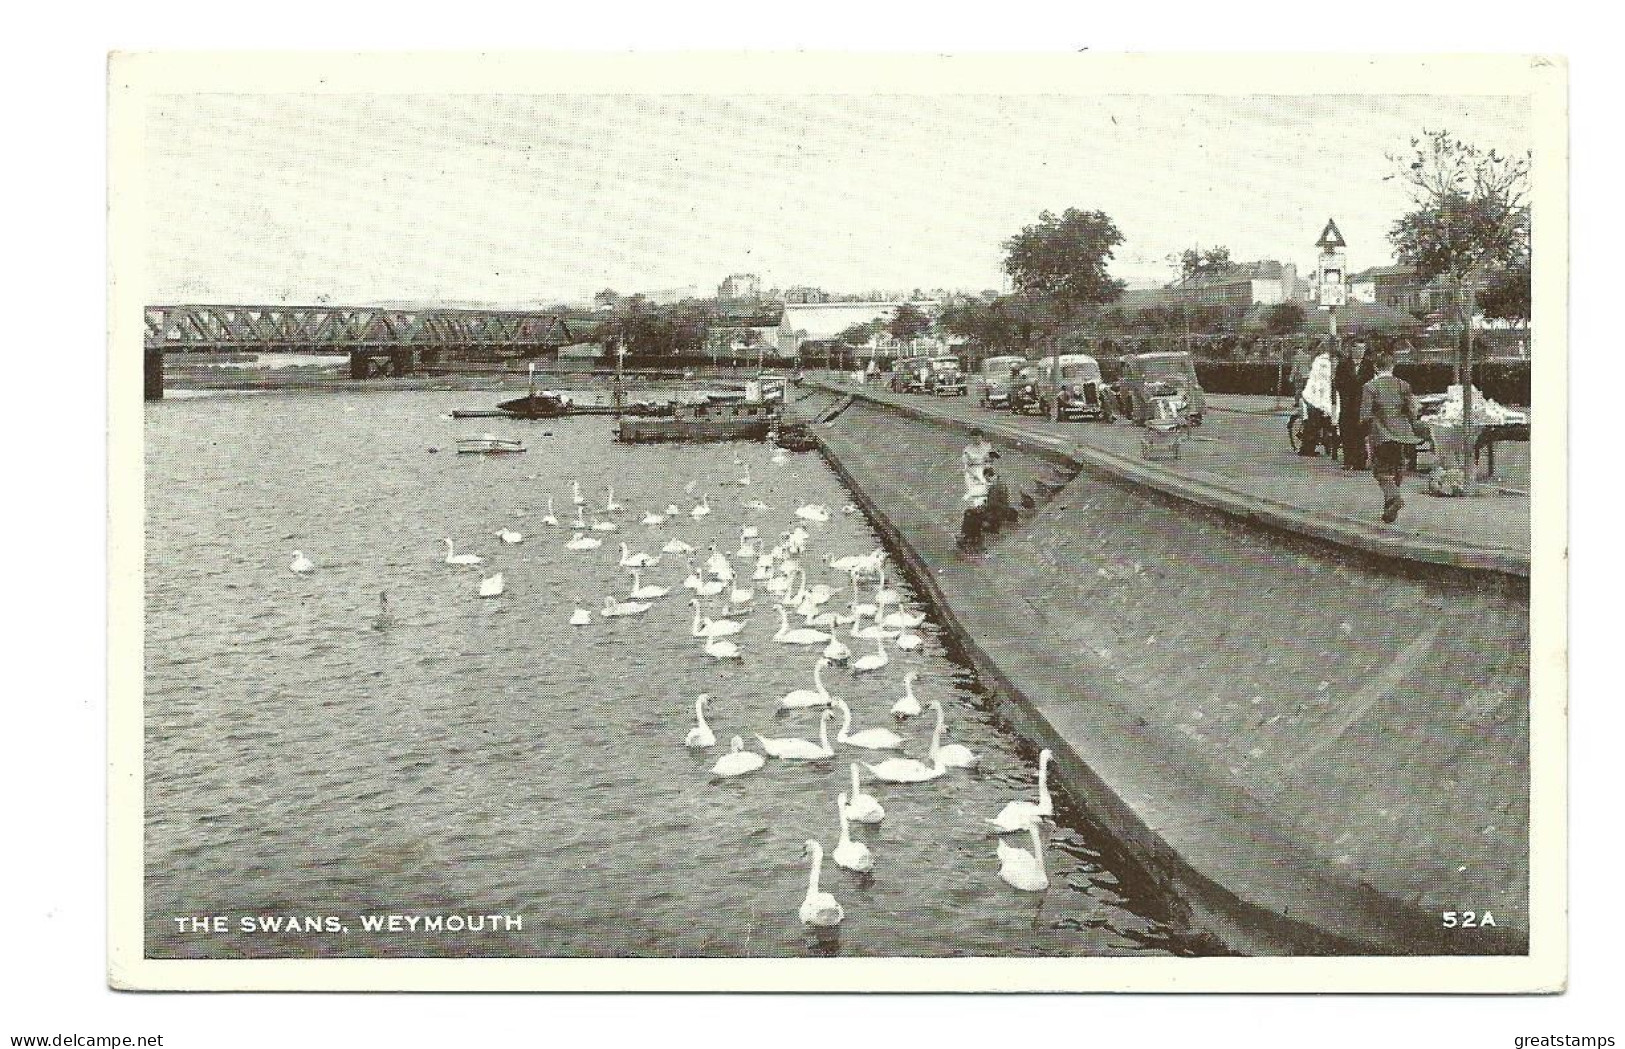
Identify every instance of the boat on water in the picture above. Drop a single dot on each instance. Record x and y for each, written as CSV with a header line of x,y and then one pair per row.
x,y
489,444
726,421
538,404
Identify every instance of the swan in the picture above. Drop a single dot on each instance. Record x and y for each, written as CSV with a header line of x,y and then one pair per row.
x,y
908,706
738,596
704,626
819,908
749,532
853,855
902,619
908,770
779,458
1022,869
756,504
778,585
746,550
860,608
954,755
614,608
703,509
676,546
883,594
813,512
548,518
720,649
584,542
384,620
580,523
1017,814
701,735
738,760
302,564
836,651
762,574
865,664
908,642
580,617
610,505
672,511
637,560
710,587
645,593
794,749
575,493
861,807
508,536
454,558
653,519
868,739
492,586
849,509
745,479
718,565
817,696
798,636
605,526
869,633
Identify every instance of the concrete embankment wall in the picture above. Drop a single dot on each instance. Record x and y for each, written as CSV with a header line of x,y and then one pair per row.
x,y
1316,753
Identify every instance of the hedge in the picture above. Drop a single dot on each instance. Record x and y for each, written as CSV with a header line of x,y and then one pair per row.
x,y
1506,381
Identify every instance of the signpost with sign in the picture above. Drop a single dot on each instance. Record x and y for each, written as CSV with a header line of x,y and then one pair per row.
x,y
1331,273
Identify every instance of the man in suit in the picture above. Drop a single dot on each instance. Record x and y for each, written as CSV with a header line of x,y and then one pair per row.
x,y
1388,415
1353,372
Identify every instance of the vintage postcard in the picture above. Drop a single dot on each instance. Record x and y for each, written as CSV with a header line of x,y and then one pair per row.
x,y
824,523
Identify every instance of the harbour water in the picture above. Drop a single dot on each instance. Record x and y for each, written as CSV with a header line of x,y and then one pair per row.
x,y
468,756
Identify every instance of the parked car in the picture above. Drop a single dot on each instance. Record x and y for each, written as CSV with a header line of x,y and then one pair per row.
x,y
1154,384
995,380
1071,387
1024,393
943,377
908,374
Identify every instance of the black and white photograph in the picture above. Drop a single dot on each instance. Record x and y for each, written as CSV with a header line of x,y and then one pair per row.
x,y
882,523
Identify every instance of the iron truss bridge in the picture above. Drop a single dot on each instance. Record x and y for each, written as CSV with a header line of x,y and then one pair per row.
x,y
352,329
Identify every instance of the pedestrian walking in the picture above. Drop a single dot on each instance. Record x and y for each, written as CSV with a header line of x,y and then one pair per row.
x,y
1388,408
1353,372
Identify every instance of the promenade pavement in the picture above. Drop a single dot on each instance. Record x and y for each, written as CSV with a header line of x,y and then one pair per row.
x,y
1240,461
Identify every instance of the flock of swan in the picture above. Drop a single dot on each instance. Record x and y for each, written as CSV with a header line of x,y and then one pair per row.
x,y
848,621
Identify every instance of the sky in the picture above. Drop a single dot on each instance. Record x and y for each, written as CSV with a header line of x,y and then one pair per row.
x,y
521,200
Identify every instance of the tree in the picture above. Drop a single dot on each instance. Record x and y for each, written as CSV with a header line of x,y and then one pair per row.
x,y
1284,318
1507,295
1193,262
909,322
1063,259
1471,218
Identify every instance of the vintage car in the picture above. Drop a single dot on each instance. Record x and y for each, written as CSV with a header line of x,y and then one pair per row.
x,y
1153,385
908,374
997,376
943,377
1071,387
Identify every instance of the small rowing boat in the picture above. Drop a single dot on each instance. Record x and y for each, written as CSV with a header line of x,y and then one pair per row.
x,y
489,444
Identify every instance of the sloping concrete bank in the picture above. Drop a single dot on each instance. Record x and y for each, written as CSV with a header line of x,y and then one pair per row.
x,y
1315,755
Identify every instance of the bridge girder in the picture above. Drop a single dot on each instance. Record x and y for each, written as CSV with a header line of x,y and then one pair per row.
x,y
221,329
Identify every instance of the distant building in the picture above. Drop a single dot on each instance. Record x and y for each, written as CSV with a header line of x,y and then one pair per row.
x,y
749,333
740,287
1246,284
823,322
802,294
1401,288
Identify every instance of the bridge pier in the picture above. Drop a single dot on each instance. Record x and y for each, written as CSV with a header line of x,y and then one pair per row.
x,y
380,363
153,375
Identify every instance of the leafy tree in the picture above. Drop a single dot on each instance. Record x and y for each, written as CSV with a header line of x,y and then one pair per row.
x,y
859,334
1507,295
1194,262
909,322
1284,318
1063,259
1471,217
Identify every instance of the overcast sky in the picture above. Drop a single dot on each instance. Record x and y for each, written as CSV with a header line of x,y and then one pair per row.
x,y
521,200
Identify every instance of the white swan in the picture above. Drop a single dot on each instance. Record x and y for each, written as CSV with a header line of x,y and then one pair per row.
x,y
884,595
798,636
779,458
509,536
710,588
813,512
492,586
718,565
575,493
745,479
865,664
908,770
795,749
868,739
1022,869
717,648
953,755
853,855
700,735
738,760
637,560
610,505
703,509
749,532
605,526
580,523
454,558
819,908
584,542
704,626
908,641
836,651
653,519
676,546
817,696
613,608
672,511
1017,814
580,617
645,593
861,807
548,518
860,608
902,619
739,596
869,633
908,706
302,564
